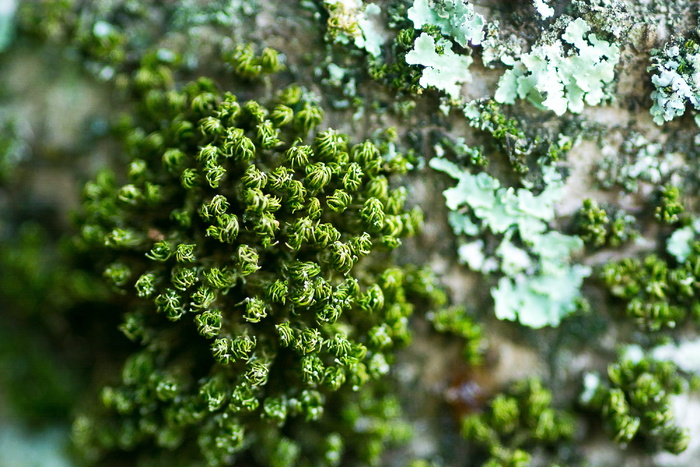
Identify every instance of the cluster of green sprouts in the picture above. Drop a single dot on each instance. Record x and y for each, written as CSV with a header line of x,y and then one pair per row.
x,y
670,205
636,403
254,262
516,421
656,295
597,227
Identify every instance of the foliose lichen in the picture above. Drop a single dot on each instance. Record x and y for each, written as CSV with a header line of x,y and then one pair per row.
x,y
553,79
532,257
676,79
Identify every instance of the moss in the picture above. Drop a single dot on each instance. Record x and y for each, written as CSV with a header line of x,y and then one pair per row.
x,y
597,228
458,322
254,264
515,422
655,295
670,205
635,403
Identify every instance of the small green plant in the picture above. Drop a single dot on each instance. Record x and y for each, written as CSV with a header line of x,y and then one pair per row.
x,y
670,205
598,228
254,266
458,322
656,295
516,421
248,65
635,403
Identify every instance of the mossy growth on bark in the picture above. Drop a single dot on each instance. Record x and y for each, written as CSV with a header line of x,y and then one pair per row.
x,y
516,423
254,264
636,403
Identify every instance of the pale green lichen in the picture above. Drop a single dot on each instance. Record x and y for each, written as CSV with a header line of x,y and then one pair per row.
x,y
553,79
351,21
540,286
638,162
371,39
444,71
455,18
680,243
496,49
676,80
543,9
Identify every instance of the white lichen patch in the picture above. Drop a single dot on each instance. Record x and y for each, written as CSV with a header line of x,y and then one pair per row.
x,y
351,21
679,244
543,9
540,286
455,18
559,77
444,71
638,163
676,80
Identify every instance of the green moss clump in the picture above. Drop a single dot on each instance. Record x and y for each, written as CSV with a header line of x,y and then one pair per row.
x,y
598,228
636,405
670,205
249,65
254,264
456,321
516,421
656,295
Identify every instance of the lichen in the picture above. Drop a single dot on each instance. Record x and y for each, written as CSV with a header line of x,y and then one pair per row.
x,y
456,19
676,81
445,70
351,21
540,286
543,9
552,79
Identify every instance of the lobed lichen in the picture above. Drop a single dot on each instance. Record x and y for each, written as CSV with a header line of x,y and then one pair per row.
x,y
675,78
555,80
526,292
